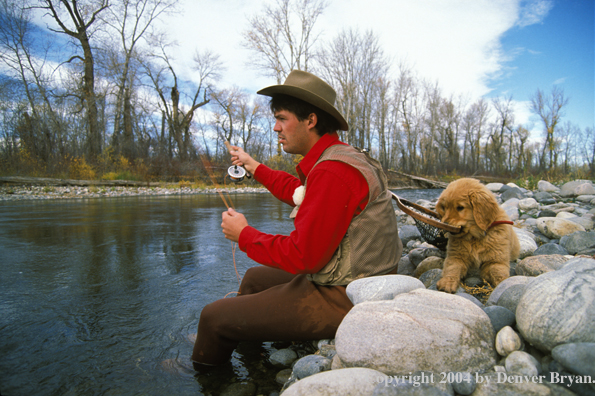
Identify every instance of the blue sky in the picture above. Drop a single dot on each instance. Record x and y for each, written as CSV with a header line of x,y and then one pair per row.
x,y
472,48
559,50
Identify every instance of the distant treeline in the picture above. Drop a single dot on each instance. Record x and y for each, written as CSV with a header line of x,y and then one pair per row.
x,y
100,96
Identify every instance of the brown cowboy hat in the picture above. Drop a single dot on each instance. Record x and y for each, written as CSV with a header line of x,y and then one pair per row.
x,y
311,89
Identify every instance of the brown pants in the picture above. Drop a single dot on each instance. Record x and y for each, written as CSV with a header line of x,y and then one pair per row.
x,y
273,306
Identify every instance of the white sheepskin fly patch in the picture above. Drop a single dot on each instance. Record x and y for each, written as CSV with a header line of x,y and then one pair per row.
x,y
298,195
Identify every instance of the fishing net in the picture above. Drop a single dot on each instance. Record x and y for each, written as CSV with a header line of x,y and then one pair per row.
x,y
432,230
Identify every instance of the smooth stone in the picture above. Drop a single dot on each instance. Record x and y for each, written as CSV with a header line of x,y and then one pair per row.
x,y
471,298
466,386
565,215
494,187
546,186
526,242
354,381
585,198
378,288
507,341
511,296
473,281
497,384
408,233
537,265
513,192
576,357
310,365
556,228
522,363
283,376
578,242
405,266
505,284
420,254
420,330
428,264
569,189
550,248
587,224
528,204
283,357
546,213
558,307
240,389
430,277
500,317
584,189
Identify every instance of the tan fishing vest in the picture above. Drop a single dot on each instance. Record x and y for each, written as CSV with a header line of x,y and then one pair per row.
x,y
371,245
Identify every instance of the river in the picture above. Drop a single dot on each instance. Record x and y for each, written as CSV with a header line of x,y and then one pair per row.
x,y
96,293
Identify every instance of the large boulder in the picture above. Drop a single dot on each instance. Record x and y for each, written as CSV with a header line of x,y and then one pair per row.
x,y
537,265
546,186
559,307
354,381
526,241
578,242
575,188
420,330
378,288
556,228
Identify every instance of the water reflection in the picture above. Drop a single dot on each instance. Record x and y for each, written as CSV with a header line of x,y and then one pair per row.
x,y
95,294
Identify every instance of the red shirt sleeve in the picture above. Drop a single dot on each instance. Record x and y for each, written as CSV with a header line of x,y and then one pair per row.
x,y
335,193
281,184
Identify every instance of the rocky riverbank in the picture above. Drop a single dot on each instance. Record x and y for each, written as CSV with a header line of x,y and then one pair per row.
x,y
534,335
14,193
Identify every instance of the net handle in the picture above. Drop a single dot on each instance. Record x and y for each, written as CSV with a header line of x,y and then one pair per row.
x,y
434,220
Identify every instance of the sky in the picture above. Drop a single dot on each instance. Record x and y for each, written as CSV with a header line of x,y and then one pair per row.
x,y
473,48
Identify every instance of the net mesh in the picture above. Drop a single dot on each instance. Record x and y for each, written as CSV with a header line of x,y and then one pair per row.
x,y
432,235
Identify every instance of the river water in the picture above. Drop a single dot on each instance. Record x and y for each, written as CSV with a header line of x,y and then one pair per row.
x,y
95,294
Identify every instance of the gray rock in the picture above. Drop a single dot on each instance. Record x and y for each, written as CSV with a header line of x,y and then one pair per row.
x,y
559,307
283,376
512,212
513,192
467,384
584,189
576,357
511,296
405,267
547,213
507,341
420,254
550,248
469,297
556,228
570,189
430,277
408,233
494,187
428,264
354,381
420,330
310,365
526,241
427,384
546,186
587,224
473,281
585,198
504,384
505,284
528,204
283,357
578,241
537,265
240,389
500,317
377,288
522,363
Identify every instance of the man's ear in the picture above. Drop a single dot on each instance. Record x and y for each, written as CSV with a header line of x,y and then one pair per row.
x,y
312,120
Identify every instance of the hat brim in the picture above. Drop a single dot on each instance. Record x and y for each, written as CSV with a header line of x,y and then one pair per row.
x,y
308,97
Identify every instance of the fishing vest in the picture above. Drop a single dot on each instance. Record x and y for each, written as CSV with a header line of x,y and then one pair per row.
x,y
371,245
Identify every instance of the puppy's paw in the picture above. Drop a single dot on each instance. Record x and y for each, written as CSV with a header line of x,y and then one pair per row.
x,y
448,284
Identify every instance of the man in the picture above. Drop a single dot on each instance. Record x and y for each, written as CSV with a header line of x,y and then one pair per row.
x,y
345,229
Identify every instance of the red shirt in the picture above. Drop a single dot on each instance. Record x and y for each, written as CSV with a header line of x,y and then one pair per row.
x,y
336,192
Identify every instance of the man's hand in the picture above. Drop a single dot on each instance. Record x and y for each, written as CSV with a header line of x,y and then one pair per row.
x,y
233,223
241,158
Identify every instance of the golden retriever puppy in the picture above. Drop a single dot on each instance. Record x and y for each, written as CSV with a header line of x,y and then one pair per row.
x,y
486,241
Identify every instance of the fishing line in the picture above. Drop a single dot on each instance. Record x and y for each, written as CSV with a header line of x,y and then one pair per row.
x,y
209,168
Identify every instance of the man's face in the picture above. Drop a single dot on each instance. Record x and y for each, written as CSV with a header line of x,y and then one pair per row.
x,y
294,135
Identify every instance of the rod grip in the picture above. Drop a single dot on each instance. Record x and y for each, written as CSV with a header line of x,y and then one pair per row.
x,y
228,145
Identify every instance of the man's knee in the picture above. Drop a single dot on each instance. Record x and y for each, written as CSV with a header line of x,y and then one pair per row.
x,y
250,283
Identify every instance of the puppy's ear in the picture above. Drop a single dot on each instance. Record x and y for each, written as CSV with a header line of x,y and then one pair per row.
x,y
485,208
440,208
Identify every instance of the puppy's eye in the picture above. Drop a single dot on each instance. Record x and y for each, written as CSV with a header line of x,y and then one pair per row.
x,y
459,208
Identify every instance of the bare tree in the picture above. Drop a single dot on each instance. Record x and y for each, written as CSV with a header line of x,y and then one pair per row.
x,y
77,20
550,110
178,109
130,20
282,36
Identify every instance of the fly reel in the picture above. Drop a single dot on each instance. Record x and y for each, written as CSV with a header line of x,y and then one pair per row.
x,y
237,173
